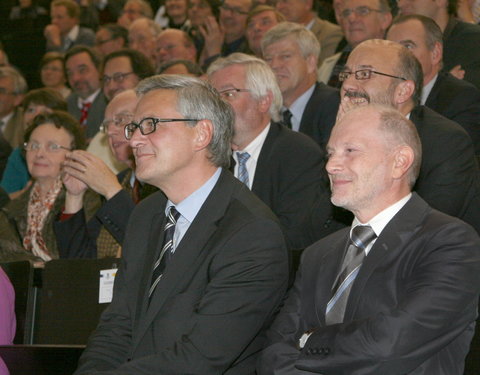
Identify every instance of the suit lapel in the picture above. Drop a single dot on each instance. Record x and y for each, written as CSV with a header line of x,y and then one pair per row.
x,y
263,162
198,239
393,238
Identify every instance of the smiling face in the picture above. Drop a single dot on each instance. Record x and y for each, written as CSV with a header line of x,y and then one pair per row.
x,y
360,164
52,74
118,67
121,108
45,166
198,11
233,18
165,157
82,74
176,9
172,45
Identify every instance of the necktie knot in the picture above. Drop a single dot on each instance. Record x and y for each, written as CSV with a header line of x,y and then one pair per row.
x,y
173,216
362,235
287,118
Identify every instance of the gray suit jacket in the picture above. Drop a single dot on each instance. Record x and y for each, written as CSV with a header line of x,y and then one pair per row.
x,y
217,295
329,35
95,114
411,309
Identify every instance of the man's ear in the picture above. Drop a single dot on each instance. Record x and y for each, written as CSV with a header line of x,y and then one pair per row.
x,y
404,91
204,134
403,160
265,102
437,53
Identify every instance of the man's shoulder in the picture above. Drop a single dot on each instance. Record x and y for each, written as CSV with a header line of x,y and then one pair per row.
x,y
325,27
428,121
85,36
464,28
288,142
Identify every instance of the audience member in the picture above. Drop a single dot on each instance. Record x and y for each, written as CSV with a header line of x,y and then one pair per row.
x,y
227,250
5,151
453,98
460,39
174,44
308,106
142,35
133,10
103,235
3,57
86,103
16,175
385,72
360,20
261,19
468,11
184,67
8,323
301,12
176,12
198,11
397,293
283,168
26,223
12,90
52,73
110,38
64,31
123,70
228,34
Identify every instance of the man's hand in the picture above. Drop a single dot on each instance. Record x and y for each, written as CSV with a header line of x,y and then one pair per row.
x,y
52,34
214,37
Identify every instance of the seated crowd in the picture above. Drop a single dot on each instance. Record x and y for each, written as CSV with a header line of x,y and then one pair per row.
x,y
292,186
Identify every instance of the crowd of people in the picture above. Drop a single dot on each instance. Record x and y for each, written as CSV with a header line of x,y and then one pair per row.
x,y
208,143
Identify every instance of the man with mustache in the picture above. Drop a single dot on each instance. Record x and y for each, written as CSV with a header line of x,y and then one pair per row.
x,y
384,72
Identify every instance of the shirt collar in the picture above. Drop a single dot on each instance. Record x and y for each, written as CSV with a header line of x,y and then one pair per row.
x,y
427,89
90,99
73,33
255,146
298,107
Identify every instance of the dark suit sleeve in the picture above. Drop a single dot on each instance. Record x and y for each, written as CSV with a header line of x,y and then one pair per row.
x,y
433,308
77,239
247,278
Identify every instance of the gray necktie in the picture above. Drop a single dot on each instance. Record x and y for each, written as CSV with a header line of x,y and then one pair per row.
x,y
361,237
242,167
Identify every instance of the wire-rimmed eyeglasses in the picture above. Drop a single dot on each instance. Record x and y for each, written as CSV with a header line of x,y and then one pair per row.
x,y
149,124
49,147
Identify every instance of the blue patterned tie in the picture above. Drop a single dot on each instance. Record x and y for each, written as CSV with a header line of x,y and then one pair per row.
x,y
242,167
361,237
166,253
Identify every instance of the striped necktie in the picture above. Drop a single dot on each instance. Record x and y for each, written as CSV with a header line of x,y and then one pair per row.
x,y
242,167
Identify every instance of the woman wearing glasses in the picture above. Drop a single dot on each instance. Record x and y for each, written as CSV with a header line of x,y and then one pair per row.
x,y
26,223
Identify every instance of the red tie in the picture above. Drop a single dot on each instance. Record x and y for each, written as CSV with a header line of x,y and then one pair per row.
x,y
84,113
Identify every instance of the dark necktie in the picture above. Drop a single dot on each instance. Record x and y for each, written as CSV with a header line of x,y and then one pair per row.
x,y
242,167
136,191
287,118
167,247
361,237
334,81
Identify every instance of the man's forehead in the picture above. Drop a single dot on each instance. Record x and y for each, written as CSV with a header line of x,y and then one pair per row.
x,y
374,4
370,54
120,62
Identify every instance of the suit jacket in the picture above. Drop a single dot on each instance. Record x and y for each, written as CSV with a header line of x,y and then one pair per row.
x,y
460,46
459,101
289,178
325,70
85,37
320,113
5,150
449,177
216,297
411,309
329,35
95,113
14,129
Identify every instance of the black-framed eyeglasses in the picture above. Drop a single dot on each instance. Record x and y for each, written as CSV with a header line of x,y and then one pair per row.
x,y
149,124
49,147
118,121
233,9
361,11
231,93
364,74
117,78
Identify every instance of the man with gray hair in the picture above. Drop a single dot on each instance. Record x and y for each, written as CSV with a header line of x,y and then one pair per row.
x,y
12,89
283,168
395,293
308,106
204,263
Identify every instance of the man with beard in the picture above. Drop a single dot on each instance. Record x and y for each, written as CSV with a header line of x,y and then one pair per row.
x,y
384,72
86,102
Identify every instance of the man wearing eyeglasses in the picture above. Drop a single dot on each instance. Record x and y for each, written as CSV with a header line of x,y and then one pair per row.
x,y
385,72
204,263
360,20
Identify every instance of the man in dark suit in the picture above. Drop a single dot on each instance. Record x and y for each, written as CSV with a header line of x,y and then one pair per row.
x,y
309,106
86,102
453,98
285,169
204,261
64,32
397,293
385,72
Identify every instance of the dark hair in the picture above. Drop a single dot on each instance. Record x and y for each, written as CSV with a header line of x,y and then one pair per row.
x,y
73,9
116,31
192,67
141,65
409,67
61,120
75,50
45,96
